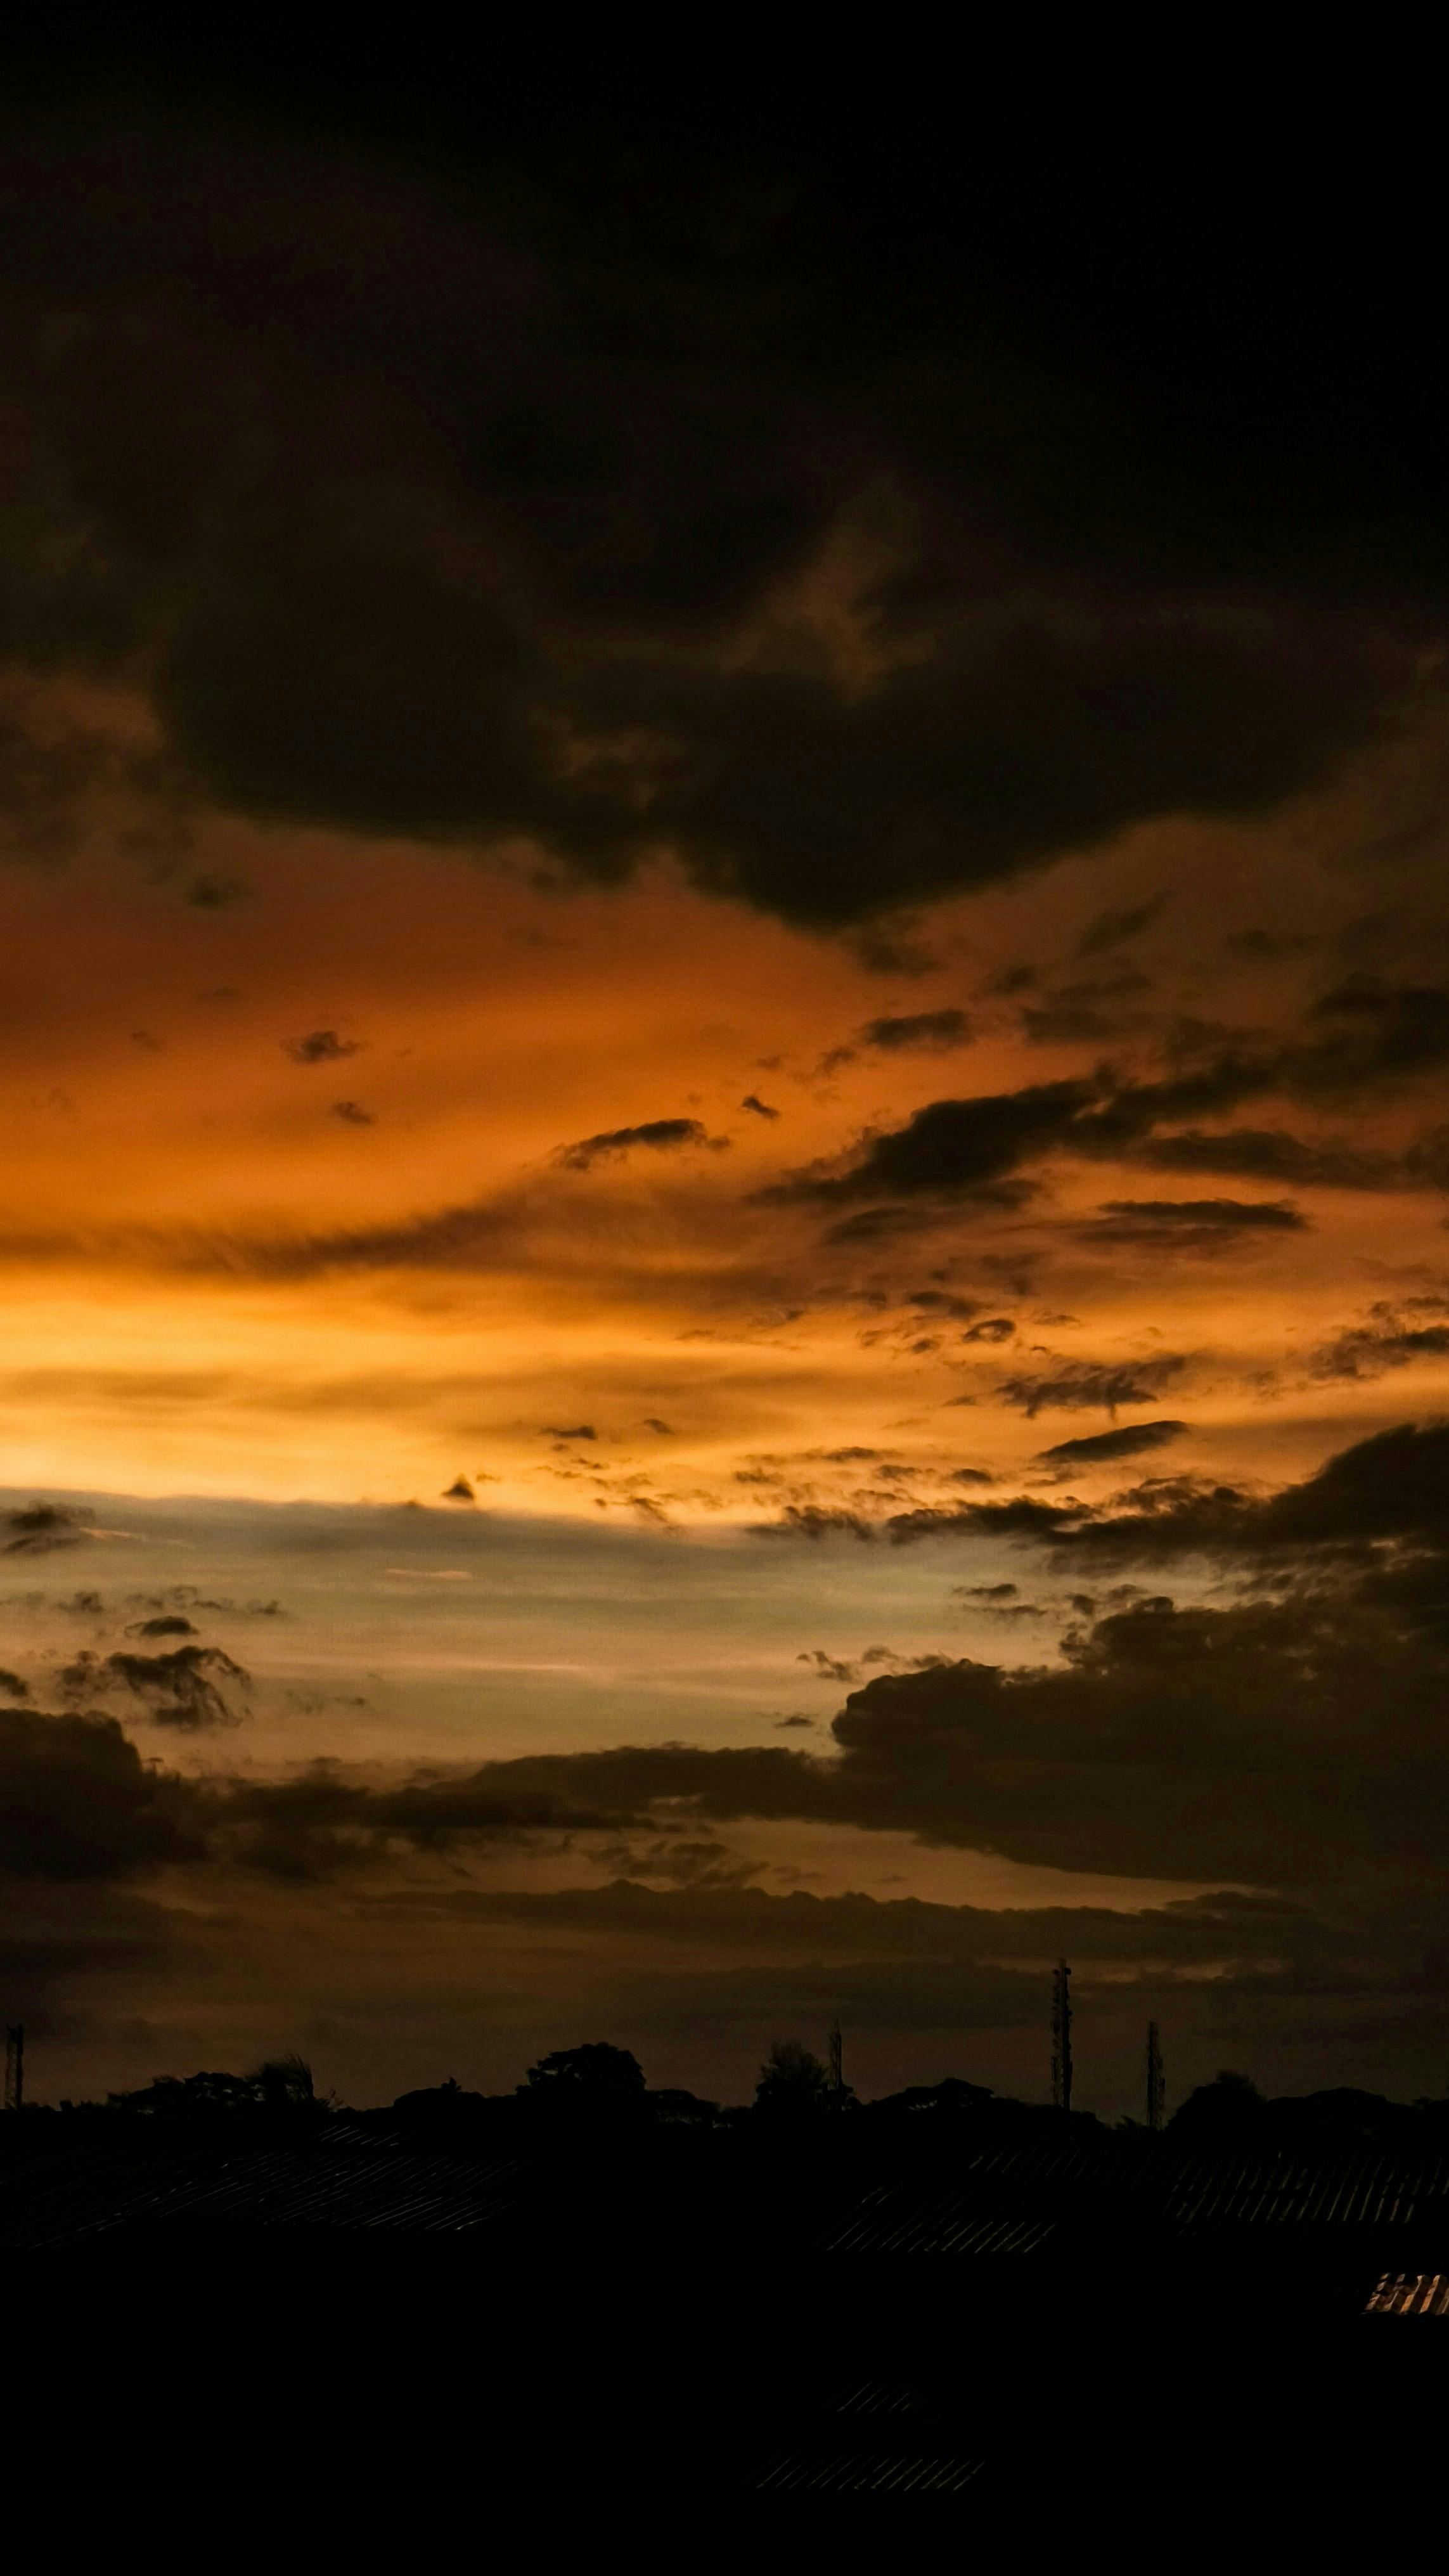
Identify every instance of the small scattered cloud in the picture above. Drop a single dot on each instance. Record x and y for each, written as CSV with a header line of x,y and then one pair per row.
x,y
829,1668
210,893
460,1491
578,1431
1091,1385
814,1521
1088,1012
1101,1448
658,1135
992,1328
37,1529
911,1033
1271,1154
955,1149
352,1114
1268,945
760,1108
182,1689
321,1046
1390,1337
1189,1225
1112,928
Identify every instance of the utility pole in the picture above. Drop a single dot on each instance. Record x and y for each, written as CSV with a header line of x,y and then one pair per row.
x,y
1062,2036
1155,2087
837,2077
15,2066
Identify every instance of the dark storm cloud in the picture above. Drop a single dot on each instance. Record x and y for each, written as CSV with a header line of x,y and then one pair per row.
x,y
1384,1503
444,533
1293,1741
661,1135
1277,1741
77,1801
1089,1385
48,768
1363,1037
1101,1448
78,1806
321,1819
1271,1743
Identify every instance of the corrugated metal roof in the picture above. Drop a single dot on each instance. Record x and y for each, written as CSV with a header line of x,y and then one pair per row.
x,y
880,2473
1013,2201
948,2226
1410,2294
1366,2191
1016,2201
340,2179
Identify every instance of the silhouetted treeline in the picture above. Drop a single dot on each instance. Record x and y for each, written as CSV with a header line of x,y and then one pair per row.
x,y
596,2089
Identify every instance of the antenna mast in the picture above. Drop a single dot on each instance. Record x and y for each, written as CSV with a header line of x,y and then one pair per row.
x,y
837,2078
1155,2086
15,2066
1062,2036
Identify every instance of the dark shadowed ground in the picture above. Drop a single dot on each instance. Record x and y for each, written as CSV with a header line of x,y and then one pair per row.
x,y
1059,2325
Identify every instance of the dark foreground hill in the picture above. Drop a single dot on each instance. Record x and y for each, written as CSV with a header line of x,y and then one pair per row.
x,y
1055,2321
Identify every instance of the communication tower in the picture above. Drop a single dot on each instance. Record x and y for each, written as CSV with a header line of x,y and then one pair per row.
x,y
837,2076
15,2066
1155,2088
1062,2036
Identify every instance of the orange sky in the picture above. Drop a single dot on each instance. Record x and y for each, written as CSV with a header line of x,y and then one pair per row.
x,y
720,868
176,1189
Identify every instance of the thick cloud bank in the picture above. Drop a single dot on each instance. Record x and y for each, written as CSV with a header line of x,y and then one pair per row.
x,y
849,566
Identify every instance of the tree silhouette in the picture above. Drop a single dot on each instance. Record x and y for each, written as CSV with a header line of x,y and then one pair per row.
x,y
595,2070
284,2084
792,2079
1229,2108
167,2095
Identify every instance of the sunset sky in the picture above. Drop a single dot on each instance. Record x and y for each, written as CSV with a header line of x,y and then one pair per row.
x,y
724,1072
